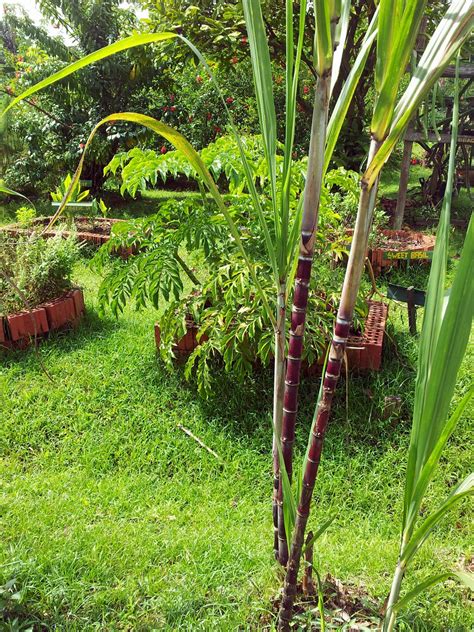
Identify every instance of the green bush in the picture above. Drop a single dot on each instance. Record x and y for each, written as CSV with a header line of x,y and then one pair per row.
x,y
35,270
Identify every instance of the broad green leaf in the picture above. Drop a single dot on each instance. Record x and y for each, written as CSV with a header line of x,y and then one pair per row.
x,y
262,75
287,244
7,191
340,40
450,348
398,27
323,37
289,503
466,578
427,382
390,15
428,470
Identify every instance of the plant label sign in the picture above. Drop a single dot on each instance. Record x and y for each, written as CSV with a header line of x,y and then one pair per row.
x,y
408,254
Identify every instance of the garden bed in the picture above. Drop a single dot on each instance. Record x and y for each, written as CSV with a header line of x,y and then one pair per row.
x,y
94,230
18,330
364,350
393,246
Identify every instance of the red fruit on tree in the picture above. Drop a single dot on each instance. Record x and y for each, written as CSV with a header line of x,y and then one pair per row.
x,y
173,108
163,150
244,40
229,100
81,145
234,60
305,90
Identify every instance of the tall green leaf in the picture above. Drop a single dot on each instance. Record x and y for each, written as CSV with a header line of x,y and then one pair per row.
x,y
465,578
450,34
262,75
102,53
343,102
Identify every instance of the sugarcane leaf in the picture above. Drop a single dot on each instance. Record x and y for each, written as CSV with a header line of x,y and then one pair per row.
x,y
320,600
289,503
438,388
140,40
390,14
428,470
271,247
450,34
339,41
398,28
424,432
466,578
323,37
262,75
102,53
343,102
286,245
319,532
465,488
7,191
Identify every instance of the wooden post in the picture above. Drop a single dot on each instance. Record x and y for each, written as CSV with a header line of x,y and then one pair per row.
x,y
403,183
411,309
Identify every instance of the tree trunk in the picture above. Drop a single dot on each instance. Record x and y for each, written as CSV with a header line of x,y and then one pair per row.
x,y
312,194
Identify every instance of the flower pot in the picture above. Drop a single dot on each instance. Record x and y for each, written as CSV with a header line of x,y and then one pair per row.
x,y
364,352
187,343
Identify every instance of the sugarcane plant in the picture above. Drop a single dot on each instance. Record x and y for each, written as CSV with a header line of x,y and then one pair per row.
x,y
397,29
282,232
330,24
444,337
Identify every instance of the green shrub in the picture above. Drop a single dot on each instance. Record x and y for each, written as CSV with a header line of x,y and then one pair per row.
x,y
37,270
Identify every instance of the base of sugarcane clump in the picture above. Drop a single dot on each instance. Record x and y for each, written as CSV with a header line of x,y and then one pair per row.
x,y
345,606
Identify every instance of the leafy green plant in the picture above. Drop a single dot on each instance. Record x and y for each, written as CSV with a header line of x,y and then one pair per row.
x,y
41,269
24,215
281,234
76,193
446,328
397,30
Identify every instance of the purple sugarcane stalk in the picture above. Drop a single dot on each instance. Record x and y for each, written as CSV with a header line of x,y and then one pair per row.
x,y
312,194
345,314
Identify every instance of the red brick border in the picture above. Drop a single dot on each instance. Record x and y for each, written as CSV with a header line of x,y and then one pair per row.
x,y
19,330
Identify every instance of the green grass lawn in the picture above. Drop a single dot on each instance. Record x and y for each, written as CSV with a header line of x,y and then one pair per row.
x,y
114,519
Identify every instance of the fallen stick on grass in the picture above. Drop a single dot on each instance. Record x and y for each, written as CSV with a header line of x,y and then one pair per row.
x,y
201,443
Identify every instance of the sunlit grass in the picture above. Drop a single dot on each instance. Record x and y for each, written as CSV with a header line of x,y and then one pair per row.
x,y
114,519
